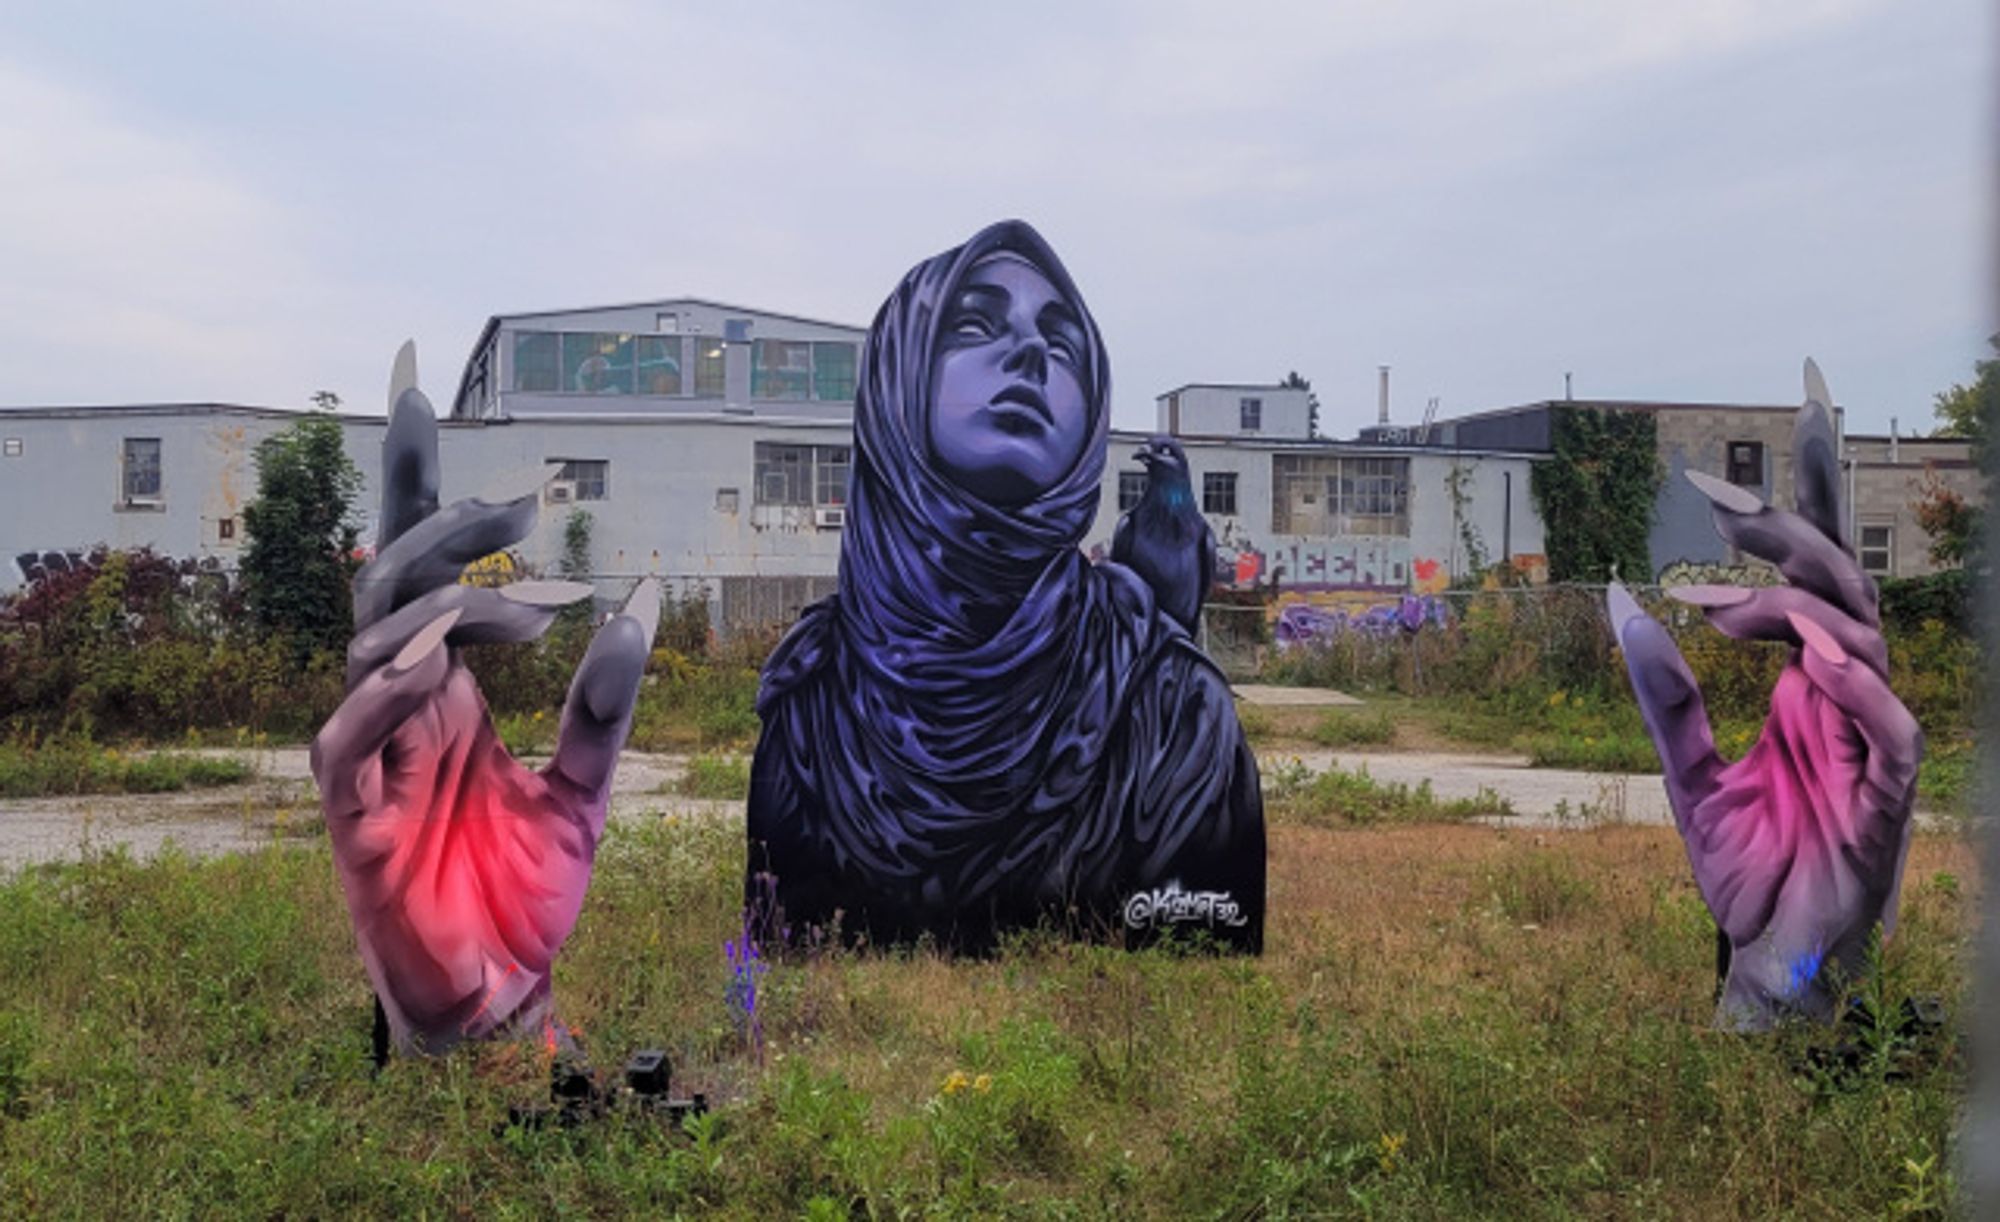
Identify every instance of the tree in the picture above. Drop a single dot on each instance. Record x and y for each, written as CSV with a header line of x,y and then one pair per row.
x,y
300,535
1952,522
1294,382
1596,493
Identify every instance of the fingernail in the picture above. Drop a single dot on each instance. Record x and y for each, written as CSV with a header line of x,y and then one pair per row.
x,y
1622,606
403,371
519,484
1816,391
1726,494
1709,595
428,638
1817,639
644,606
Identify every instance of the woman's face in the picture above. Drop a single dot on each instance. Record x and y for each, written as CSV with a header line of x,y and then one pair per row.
x,y
1010,415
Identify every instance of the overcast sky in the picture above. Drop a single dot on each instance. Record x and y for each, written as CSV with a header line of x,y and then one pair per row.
x,y
251,202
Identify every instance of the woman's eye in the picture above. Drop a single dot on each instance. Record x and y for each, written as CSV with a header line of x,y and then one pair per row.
x,y
974,325
1064,347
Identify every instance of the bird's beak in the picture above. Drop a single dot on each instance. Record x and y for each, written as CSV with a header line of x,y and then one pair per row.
x,y
1146,458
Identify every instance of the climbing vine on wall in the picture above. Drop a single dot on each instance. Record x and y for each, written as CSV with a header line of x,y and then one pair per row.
x,y
1596,493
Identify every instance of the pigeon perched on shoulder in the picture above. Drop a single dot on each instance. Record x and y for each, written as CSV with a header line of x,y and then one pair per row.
x,y
1164,538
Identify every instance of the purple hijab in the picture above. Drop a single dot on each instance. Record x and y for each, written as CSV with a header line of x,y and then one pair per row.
x,y
982,729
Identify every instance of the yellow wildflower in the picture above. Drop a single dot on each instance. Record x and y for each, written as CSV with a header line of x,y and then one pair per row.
x,y
1389,1147
983,1083
956,1081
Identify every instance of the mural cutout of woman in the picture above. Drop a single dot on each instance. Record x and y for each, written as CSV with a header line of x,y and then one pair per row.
x,y
982,731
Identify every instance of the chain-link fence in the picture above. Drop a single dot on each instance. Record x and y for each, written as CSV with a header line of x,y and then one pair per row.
x,y
1427,643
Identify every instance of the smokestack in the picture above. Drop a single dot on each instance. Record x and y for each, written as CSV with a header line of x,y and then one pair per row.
x,y
1893,439
1382,409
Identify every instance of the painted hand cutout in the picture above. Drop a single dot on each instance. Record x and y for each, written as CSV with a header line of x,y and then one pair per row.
x,y
464,871
1798,847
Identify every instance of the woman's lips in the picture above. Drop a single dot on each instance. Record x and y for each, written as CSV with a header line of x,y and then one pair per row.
x,y
1022,395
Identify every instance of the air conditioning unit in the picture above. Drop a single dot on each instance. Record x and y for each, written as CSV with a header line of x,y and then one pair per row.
x,y
561,492
830,517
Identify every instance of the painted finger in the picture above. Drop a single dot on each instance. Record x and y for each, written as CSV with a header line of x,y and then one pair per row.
x,y
381,702
518,612
598,713
1803,553
432,553
409,458
1815,460
1669,702
1765,615
1895,742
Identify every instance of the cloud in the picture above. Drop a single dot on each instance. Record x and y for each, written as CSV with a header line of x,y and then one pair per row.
x,y
1482,193
138,266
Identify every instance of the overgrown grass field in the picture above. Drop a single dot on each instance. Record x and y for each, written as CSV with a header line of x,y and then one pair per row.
x,y
78,766
1451,1020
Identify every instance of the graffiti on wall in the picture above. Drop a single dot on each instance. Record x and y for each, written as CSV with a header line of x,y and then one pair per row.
x,y
38,566
1304,621
1702,573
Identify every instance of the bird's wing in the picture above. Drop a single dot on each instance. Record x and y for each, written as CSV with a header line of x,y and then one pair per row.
x,y
1121,540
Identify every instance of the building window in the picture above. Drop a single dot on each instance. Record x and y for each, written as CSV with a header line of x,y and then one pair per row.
x,y
780,369
597,363
1321,495
711,368
666,322
1746,463
13,447
536,361
736,330
591,477
1131,486
1251,412
225,529
727,500
1218,493
1878,550
141,467
830,475
660,364
801,475
833,372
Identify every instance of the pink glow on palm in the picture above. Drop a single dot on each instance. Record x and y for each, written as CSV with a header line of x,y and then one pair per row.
x,y
467,873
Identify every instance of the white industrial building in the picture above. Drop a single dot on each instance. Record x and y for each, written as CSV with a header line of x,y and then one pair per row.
x,y
710,446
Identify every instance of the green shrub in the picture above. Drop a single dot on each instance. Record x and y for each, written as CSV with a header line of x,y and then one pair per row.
x,y
717,776
1350,728
1540,887
1294,793
78,766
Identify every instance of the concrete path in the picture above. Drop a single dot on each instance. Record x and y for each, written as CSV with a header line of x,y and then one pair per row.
x,y
281,803
1277,697
1540,797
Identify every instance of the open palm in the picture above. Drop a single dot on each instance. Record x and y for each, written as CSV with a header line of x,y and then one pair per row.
x,y
464,871
1797,847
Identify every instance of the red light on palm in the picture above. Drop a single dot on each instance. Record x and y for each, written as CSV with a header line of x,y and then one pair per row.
x,y
464,871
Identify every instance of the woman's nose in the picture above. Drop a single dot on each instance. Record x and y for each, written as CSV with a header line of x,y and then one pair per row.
x,y
1030,358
